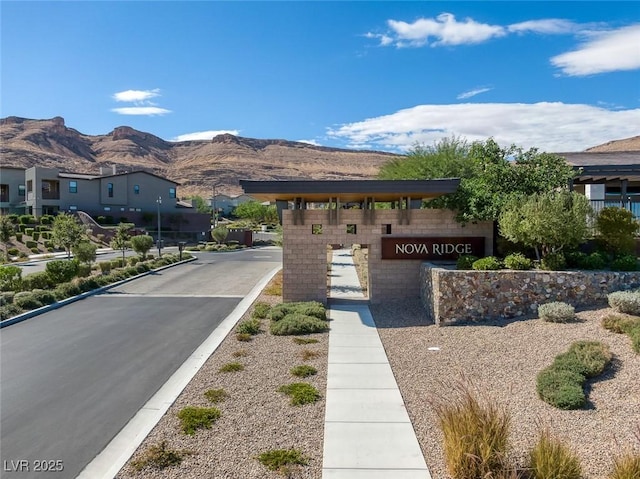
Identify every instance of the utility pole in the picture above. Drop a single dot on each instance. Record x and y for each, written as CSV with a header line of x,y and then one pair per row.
x,y
215,211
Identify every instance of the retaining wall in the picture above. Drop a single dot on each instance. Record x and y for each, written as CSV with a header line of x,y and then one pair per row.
x,y
449,295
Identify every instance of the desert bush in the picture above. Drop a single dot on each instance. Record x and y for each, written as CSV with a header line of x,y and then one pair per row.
x,y
216,395
305,340
303,371
626,466
14,218
250,326
35,250
298,324
6,297
62,270
158,457
87,284
466,261
19,237
488,263
625,302
594,355
116,263
39,280
142,268
306,308
308,354
194,418
552,459
517,261
260,310
31,245
556,312
475,434
9,311
29,231
46,219
618,324
231,367
625,263
26,301
84,252
133,261
36,235
13,251
10,277
66,290
105,266
553,262
280,459
300,393
27,220
561,388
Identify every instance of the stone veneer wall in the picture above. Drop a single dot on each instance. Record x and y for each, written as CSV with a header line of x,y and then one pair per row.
x,y
305,255
450,296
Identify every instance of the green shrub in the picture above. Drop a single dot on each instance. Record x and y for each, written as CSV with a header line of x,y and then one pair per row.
x,y
87,284
19,237
6,297
15,219
216,395
46,235
488,263
9,311
298,324
261,310
300,393
158,457
31,245
84,252
626,466
105,266
48,244
553,262
62,270
594,261
231,367
244,337
619,324
35,250
29,232
44,297
133,261
625,302
556,312
625,263
517,261
593,355
466,261
561,388
303,371
13,251
575,259
305,340
26,301
280,459
142,268
116,263
250,326
617,230
552,459
10,277
306,308
36,235
66,290
39,280
634,334
46,219
475,435
104,280
194,418
27,220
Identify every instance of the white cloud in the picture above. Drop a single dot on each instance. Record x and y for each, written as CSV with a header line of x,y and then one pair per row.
x,y
132,96
609,51
474,92
444,30
553,127
549,26
310,142
141,110
204,135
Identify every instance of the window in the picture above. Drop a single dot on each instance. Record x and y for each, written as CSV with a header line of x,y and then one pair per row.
x,y
172,192
73,187
21,190
107,208
73,207
136,189
386,229
4,193
110,190
29,186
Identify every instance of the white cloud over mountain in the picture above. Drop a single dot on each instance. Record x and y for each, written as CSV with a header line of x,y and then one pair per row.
x,y
204,135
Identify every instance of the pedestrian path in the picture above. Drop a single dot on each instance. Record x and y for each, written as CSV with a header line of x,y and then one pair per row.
x,y
367,432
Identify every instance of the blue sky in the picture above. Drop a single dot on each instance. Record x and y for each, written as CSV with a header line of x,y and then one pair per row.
x,y
383,75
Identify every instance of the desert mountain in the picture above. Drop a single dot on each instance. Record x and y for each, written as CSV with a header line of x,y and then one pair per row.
x,y
628,144
196,165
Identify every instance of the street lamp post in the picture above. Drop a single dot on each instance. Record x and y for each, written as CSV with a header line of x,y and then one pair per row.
x,y
215,212
159,201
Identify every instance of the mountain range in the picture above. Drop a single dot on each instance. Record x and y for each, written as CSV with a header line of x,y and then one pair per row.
x,y
199,165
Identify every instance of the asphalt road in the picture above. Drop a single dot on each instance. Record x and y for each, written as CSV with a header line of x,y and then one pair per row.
x,y
71,378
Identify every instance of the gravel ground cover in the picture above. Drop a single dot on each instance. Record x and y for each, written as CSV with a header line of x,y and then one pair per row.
x,y
501,360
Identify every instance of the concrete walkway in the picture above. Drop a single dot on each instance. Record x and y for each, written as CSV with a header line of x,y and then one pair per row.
x,y
367,431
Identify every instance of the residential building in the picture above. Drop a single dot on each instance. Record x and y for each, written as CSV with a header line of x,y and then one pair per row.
x,y
225,204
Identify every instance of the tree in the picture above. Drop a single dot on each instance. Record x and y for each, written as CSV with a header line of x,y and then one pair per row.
x,y
200,204
617,230
220,234
84,252
547,222
7,229
256,212
67,232
448,158
141,244
121,239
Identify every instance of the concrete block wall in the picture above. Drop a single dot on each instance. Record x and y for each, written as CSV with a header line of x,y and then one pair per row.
x,y
305,253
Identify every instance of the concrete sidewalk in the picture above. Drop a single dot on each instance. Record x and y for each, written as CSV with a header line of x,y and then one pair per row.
x,y
367,432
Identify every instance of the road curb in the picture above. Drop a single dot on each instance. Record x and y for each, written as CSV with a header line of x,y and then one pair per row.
x,y
58,304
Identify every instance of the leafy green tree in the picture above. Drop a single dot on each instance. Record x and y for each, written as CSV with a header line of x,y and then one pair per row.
x,y
200,204
220,234
141,244
10,277
7,229
617,230
256,212
121,239
547,221
67,232
84,252
448,158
